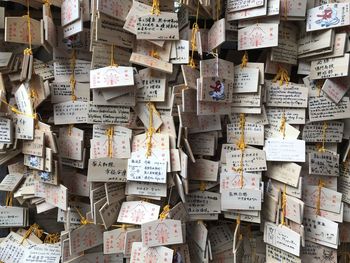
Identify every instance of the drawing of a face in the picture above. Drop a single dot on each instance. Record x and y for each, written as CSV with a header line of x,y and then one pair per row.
x,y
218,90
328,17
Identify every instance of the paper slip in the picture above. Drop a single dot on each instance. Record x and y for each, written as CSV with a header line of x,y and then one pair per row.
x,y
287,173
253,133
146,189
131,236
233,5
244,199
294,209
204,170
245,79
335,88
291,95
253,160
161,232
62,92
110,31
321,230
114,8
85,237
203,144
330,67
324,163
282,237
111,77
148,169
319,40
328,16
138,212
330,200
6,130
323,109
276,255
70,112
312,132
116,147
70,11
230,180
16,30
107,170
313,252
151,62
11,216
203,202
258,36
10,182
158,27
285,150
101,114
141,254
216,35
114,241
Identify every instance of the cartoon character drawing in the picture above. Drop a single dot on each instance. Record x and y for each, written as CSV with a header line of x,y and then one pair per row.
x,y
218,92
328,17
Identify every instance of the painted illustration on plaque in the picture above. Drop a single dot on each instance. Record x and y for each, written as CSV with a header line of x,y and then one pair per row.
x,y
328,17
218,90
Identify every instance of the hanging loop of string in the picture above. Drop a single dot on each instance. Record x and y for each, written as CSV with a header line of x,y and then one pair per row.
x,y
52,238
154,53
83,219
195,29
218,9
284,205
202,186
324,134
72,77
244,59
28,51
32,229
283,125
155,7
282,76
318,201
165,212
238,223
113,64
151,130
16,111
9,199
47,3
241,146
319,84
110,134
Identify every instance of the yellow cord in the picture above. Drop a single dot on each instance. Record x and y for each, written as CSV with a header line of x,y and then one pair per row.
x,y
165,212
195,29
110,134
28,51
244,59
324,133
72,77
151,130
155,7
282,76
284,205
283,125
318,203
